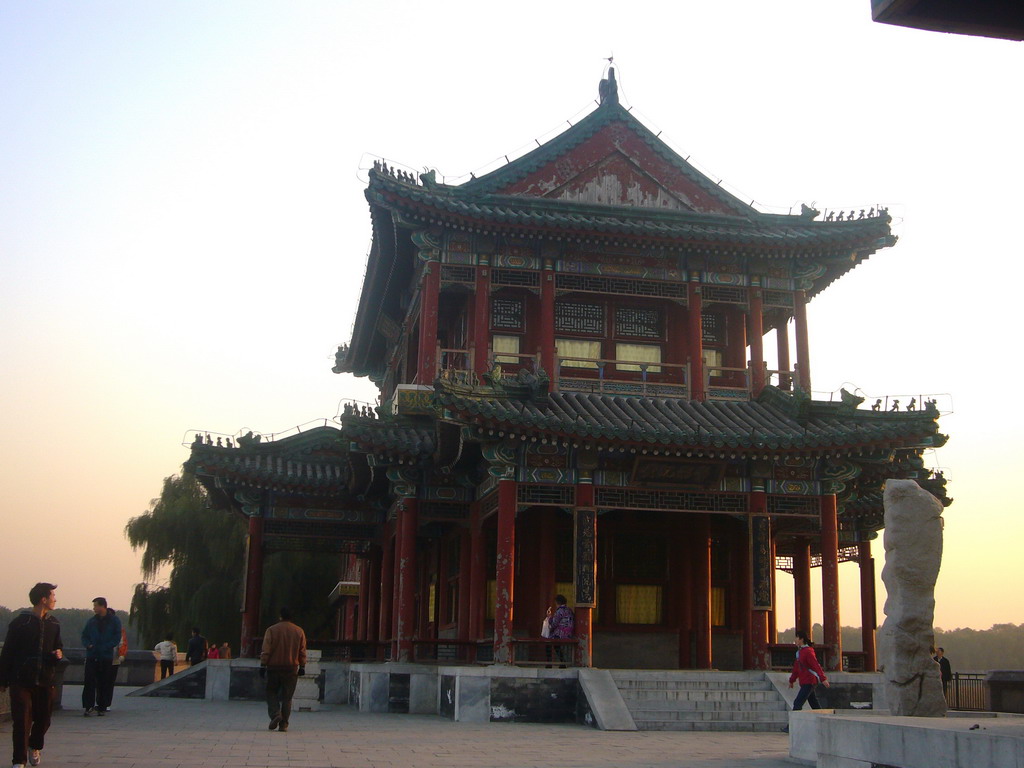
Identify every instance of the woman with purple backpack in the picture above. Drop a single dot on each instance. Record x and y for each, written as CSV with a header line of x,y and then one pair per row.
x,y
561,625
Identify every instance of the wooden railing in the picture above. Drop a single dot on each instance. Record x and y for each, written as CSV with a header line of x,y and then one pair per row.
x,y
445,651
781,379
526,651
351,650
731,384
546,652
672,378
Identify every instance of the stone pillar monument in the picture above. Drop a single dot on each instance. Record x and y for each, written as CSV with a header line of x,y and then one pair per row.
x,y
913,554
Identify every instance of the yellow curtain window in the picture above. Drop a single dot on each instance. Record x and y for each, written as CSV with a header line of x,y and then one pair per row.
x,y
578,348
712,359
506,349
492,599
642,353
638,604
718,606
431,602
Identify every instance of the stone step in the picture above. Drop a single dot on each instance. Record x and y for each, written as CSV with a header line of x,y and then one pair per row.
x,y
633,694
711,706
717,716
627,684
674,725
689,675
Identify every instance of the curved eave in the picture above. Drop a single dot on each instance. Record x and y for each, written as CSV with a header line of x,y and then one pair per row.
x,y
782,236
745,429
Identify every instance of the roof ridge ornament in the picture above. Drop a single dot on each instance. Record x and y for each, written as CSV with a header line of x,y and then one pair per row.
x,y
608,88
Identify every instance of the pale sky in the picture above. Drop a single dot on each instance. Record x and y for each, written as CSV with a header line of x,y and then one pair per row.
x,y
183,230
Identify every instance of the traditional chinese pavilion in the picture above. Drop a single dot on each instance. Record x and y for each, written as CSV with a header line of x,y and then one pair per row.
x,y
574,398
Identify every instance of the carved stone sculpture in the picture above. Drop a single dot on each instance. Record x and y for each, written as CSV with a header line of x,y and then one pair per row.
x,y
913,554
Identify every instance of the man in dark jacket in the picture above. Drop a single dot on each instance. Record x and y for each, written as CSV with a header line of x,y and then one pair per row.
x,y
101,639
197,647
27,661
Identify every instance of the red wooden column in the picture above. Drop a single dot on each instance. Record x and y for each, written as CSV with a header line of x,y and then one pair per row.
x,y
803,345
782,342
696,337
362,615
756,339
406,575
482,315
253,588
373,604
387,586
430,288
773,614
868,620
702,598
477,574
547,317
802,585
505,572
830,580
465,560
585,524
759,613
678,333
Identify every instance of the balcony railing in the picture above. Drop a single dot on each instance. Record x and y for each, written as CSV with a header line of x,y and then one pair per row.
x,y
724,383
607,377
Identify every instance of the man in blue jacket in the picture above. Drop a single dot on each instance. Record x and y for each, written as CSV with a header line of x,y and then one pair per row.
x,y
101,639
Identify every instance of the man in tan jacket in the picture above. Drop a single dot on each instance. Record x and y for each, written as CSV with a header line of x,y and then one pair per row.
x,y
282,662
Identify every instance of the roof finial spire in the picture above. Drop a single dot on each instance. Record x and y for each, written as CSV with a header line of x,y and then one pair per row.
x,y
608,89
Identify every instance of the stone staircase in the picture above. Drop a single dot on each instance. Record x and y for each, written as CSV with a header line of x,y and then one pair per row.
x,y
669,700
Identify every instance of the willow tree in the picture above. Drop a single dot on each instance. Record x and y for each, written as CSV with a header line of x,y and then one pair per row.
x,y
204,550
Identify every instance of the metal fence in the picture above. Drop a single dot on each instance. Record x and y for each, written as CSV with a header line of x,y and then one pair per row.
x,y
967,691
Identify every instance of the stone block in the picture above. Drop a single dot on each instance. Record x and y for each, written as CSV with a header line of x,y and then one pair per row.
x,y
473,699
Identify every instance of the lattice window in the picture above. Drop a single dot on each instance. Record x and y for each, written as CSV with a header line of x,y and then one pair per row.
x,y
724,294
777,299
507,313
524,278
575,317
451,273
638,321
547,495
631,498
713,329
488,505
620,285
794,505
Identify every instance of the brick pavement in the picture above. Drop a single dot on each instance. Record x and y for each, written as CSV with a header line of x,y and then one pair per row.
x,y
167,733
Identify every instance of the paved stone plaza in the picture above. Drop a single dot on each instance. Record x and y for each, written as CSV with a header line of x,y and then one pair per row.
x,y
166,733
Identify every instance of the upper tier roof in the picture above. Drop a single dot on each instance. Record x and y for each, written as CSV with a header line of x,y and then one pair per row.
x,y
609,174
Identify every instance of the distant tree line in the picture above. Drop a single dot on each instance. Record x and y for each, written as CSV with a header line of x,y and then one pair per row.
x,y
968,650
204,549
72,622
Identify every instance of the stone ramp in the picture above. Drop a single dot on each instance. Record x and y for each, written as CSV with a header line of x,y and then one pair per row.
x,y
188,683
670,700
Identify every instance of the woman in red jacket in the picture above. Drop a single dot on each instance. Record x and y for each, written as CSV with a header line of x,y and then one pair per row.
x,y
808,671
